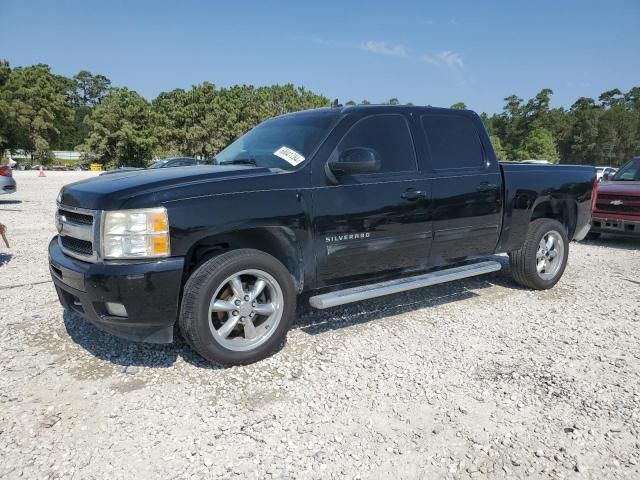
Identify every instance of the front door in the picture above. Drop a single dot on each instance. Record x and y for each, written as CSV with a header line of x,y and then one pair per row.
x,y
376,222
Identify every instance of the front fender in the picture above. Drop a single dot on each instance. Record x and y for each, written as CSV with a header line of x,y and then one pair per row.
x,y
273,221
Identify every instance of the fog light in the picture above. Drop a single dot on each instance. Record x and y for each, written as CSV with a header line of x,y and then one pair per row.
x,y
116,309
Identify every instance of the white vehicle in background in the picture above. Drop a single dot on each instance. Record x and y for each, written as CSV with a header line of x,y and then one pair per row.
x,y
534,161
600,172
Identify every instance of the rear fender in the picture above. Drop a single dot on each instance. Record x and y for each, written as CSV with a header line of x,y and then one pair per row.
x,y
564,210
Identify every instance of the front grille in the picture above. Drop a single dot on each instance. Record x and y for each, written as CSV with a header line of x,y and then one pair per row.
x,y
78,228
76,217
624,198
618,208
81,247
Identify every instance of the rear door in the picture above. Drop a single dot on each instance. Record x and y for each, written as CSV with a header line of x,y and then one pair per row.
x,y
467,187
377,222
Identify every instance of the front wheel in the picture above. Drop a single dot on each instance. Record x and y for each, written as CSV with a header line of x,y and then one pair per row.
x,y
540,262
237,307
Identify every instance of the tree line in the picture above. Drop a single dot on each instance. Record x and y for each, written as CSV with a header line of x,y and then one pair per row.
x,y
41,111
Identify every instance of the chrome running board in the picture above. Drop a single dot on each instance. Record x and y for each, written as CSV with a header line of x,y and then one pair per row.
x,y
356,294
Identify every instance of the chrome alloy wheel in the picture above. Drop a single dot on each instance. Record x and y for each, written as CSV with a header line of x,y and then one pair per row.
x,y
245,310
550,255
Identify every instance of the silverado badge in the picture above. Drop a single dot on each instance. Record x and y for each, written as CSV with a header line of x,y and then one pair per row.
x,y
617,202
347,236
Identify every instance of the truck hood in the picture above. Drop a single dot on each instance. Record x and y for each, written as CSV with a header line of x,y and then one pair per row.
x,y
156,186
619,188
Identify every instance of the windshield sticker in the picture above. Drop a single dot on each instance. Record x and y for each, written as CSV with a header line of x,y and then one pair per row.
x,y
289,155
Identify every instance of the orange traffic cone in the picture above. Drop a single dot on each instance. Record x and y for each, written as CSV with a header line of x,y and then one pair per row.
x,y
41,174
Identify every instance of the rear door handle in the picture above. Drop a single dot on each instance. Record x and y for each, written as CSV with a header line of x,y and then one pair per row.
x,y
412,195
486,187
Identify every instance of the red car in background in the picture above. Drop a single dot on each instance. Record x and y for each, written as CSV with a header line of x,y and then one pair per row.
x,y
616,207
7,183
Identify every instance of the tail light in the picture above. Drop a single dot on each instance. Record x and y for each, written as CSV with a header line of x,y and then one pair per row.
x,y
594,194
5,171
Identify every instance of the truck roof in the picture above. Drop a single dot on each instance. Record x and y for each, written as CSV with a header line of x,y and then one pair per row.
x,y
403,108
379,108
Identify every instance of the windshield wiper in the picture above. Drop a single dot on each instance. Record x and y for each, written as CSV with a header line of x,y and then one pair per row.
x,y
240,161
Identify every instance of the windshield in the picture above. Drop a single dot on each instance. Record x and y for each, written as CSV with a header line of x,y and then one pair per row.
x,y
630,172
282,142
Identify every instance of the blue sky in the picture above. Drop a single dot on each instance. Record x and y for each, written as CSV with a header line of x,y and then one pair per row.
x,y
433,53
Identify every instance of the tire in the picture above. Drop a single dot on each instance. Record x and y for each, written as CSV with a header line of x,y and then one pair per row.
x,y
224,336
526,260
593,236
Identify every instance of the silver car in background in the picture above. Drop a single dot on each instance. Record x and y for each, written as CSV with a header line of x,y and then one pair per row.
x,y
603,173
7,183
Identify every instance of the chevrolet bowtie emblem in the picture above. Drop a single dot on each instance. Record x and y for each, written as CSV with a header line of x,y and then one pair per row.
x,y
617,202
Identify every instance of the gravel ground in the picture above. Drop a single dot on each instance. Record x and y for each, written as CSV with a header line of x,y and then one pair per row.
x,y
477,378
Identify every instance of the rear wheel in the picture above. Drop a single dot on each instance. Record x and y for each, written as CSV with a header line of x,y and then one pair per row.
x,y
237,307
541,261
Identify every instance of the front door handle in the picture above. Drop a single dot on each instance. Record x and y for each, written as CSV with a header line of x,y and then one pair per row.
x,y
412,195
486,187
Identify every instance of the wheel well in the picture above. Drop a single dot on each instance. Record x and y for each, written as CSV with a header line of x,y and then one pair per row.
x,y
564,211
277,242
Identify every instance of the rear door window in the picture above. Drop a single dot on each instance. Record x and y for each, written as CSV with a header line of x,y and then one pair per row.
x,y
453,142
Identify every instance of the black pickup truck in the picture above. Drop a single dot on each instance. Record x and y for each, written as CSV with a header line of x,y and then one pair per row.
x,y
349,203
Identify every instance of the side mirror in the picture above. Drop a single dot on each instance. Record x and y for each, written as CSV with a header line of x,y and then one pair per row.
x,y
605,176
355,160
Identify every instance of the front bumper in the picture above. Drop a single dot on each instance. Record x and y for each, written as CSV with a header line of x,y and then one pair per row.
x,y
149,290
619,226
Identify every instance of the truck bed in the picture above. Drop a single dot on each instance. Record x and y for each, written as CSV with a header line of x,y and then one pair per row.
x,y
533,189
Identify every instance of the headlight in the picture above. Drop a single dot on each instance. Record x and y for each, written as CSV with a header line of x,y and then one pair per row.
x,y
136,233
